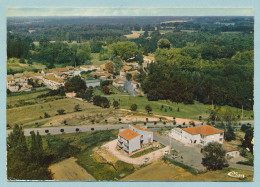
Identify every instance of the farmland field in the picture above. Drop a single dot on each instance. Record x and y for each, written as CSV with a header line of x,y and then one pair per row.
x,y
69,170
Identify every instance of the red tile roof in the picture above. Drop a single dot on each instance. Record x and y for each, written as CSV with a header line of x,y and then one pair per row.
x,y
128,134
140,128
203,129
53,78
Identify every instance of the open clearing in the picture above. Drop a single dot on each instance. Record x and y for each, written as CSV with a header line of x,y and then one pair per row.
x,y
135,34
187,111
69,170
14,65
160,171
28,115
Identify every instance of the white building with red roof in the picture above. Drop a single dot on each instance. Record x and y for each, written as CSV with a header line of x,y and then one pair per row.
x,y
201,135
134,138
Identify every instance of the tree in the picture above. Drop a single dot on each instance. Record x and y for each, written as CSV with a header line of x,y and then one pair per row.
x,y
148,108
77,108
61,111
214,156
128,76
109,67
106,90
247,142
96,46
84,54
117,64
75,84
22,61
146,34
46,115
133,107
88,94
229,134
126,50
164,43
116,104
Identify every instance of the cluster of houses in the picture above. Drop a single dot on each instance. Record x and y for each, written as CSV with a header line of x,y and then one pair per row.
x,y
55,78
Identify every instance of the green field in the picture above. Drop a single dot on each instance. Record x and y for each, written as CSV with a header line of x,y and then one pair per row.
x,y
189,111
95,59
13,65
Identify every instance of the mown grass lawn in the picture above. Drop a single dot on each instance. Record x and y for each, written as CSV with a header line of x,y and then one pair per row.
x,y
189,111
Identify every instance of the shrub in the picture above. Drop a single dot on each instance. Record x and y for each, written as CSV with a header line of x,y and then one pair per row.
x,y
133,107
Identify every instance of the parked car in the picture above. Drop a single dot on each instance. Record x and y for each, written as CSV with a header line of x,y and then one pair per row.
x,y
175,156
166,152
92,129
146,159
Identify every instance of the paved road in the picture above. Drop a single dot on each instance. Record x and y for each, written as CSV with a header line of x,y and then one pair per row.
x,y
82,128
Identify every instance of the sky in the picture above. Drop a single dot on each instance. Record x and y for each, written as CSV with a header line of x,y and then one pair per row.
x,y
104,11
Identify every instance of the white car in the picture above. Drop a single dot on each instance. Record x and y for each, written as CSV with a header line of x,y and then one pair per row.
x,y
146,159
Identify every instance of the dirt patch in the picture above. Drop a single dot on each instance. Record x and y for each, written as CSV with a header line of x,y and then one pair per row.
x,y
106,155
69,170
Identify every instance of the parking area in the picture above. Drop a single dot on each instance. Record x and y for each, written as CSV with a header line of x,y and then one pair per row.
x,y
111,147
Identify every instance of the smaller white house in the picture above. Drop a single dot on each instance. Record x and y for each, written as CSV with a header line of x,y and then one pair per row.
x,y
94,83
231,152
201,135
89,67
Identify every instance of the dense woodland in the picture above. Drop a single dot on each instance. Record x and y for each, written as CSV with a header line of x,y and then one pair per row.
x,y
212,64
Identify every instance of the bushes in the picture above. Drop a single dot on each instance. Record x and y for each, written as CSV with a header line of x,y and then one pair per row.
x,y
248,163
101,101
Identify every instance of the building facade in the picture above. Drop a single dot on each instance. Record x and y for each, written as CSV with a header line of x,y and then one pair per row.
x,y
201,135
134,138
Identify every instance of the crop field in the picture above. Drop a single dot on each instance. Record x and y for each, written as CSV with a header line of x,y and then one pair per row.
x,y
160,171
189,111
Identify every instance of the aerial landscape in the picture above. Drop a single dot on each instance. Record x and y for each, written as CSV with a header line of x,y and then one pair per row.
x,y
130,98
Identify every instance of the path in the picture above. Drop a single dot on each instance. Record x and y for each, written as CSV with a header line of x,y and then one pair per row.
x,y
111,147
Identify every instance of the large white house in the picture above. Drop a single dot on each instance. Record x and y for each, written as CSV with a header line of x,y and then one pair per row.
x,y
201,135
134,138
